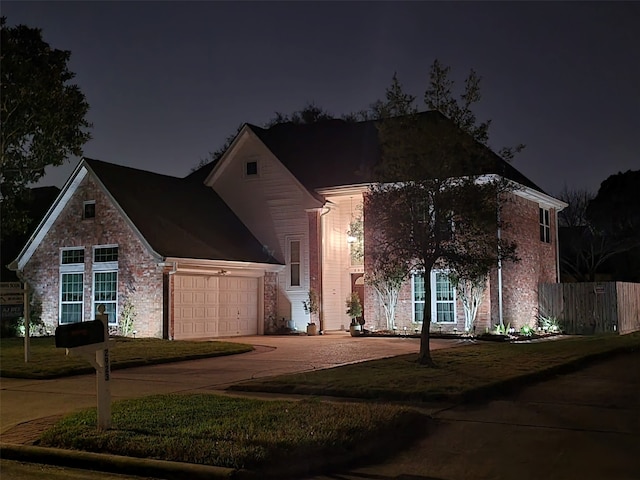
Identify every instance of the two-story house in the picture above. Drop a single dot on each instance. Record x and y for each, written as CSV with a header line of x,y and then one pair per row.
x,y
234,248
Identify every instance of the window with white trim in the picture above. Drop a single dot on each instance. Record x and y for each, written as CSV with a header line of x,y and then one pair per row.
x,y
443,295
105,281
545,225
295,264
418,297
105,292
71,305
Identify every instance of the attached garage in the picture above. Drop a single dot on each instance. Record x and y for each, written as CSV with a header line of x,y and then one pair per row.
x,y
214,306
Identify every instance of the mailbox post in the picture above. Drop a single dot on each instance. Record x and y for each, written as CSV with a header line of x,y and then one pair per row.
x,y
90,340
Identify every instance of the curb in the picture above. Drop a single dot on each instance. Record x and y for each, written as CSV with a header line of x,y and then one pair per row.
x,y
118,464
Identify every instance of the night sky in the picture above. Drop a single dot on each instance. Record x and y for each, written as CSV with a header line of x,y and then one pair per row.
x,y
169,81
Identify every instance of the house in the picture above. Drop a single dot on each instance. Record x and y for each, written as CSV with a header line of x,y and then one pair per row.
x,y
235,247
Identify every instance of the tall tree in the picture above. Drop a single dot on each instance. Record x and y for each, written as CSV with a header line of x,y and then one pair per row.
x,y
310,113
430,206
42,114
602,232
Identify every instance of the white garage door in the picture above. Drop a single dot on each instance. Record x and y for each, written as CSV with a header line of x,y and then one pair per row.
x,y
207,306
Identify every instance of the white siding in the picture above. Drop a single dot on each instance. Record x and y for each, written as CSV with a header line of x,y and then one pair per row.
x,y
272,205
336,261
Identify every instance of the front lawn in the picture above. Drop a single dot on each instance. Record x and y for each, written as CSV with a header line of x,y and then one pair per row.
x,y
460,373
47,361
265,436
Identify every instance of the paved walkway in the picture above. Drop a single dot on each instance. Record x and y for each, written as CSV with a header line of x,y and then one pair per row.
x,y
29,406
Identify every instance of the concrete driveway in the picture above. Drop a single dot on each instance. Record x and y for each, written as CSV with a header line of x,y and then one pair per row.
x,y
26,400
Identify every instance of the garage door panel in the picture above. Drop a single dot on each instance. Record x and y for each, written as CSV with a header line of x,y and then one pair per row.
x,y
215,306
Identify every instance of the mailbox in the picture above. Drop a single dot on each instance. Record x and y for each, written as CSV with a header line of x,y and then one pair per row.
x,y
79,334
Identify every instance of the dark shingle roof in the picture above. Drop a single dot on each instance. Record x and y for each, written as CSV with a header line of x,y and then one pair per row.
x,y
334,153
179,217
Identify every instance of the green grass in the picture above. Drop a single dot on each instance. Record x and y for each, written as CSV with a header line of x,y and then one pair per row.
x,y
460,373
238,432
47,361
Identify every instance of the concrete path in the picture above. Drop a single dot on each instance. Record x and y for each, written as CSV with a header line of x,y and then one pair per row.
x,y
584,425
43,400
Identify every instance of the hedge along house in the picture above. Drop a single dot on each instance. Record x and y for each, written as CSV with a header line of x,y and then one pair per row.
x,y
235,247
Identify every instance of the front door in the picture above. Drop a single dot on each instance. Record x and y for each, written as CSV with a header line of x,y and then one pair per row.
x,y
357,286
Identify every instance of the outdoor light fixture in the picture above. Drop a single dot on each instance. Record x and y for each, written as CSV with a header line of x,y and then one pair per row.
x,y
351,239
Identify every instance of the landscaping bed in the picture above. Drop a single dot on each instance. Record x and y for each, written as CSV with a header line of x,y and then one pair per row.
x,y
47,361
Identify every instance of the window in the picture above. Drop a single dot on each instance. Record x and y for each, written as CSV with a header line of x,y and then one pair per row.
x,y
105,281
71,285
418,297
545,230
105,292
444,295
89,209
105,254
71,300
72,256
443,298
294,263
251,168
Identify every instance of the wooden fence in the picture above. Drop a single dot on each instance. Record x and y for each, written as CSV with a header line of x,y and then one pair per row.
x,y
592,307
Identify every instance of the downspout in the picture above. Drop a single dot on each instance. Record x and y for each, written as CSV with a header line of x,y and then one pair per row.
x,y
557,248
500,318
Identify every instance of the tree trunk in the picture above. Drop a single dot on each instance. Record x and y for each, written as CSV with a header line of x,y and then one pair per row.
x,y
424,357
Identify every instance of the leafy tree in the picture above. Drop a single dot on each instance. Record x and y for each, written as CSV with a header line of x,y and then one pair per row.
x,y
310,113
602,230
429,206
42,114
575,214
386,274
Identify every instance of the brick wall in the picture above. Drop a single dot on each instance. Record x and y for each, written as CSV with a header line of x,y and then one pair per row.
x,y
271,322
520,280
537,263
139,277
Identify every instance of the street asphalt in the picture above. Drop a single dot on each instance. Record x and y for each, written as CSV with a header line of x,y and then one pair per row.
x,y
582,425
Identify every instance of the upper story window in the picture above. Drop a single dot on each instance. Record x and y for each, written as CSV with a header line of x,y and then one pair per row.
x,y
105,254
294,263
545,226
72,256
251,168
89,210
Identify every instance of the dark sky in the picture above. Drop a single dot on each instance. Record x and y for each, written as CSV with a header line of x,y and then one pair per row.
x,y
169,81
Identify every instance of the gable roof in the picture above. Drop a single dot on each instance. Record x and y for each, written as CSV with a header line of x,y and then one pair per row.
x,y
179,217
335,153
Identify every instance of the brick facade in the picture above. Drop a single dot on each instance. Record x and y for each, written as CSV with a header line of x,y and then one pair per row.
x,y
270,302
537,263
139,277
519,280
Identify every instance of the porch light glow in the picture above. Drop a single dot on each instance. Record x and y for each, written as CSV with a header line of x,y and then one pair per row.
x,y
351,239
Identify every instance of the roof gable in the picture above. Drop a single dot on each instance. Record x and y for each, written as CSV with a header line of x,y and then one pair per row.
x,y
179,217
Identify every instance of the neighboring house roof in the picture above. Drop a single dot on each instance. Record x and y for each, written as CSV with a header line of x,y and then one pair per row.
x,y
335,153
179,217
